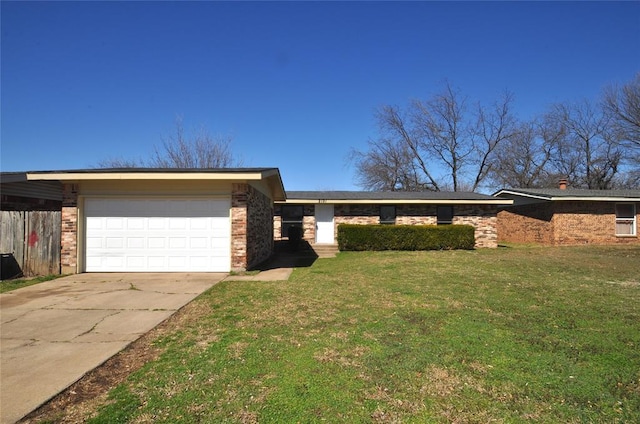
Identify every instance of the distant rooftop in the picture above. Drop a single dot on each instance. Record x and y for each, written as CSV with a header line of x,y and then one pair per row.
x,y
388,196
569,193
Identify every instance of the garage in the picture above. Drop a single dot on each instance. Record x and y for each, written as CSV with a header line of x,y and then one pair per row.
x,y
157,235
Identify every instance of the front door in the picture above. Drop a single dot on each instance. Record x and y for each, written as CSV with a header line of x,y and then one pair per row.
x,y
324,224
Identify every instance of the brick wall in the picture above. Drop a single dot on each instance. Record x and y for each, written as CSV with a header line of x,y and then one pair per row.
x,y
259,227
526,224
482,217
587,223
69,231
239,227
355,214
562,223
416,215
251,227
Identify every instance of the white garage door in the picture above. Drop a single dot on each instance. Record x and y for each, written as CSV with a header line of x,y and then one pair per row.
x,y
157,235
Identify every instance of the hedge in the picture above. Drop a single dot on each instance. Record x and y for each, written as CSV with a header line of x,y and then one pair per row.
x,y
405,237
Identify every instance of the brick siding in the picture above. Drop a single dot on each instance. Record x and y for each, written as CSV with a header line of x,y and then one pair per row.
x,y
259,227
562,223
481,217
355,214
251,227
69,230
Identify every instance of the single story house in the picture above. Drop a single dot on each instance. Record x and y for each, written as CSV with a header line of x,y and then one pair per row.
x,y
163,220
211,220
319,213
564,216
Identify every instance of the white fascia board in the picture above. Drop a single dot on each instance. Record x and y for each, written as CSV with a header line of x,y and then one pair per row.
x,y
569,198
88,176
527,195
397,201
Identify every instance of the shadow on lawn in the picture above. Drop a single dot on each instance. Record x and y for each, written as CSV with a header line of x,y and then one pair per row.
x,y
287,257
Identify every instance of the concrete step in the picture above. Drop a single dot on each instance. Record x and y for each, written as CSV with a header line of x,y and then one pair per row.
x,y
325,250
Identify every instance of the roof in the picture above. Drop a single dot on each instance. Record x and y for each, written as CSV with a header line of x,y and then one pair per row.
x,y
270,175
556,194
113,173
391,197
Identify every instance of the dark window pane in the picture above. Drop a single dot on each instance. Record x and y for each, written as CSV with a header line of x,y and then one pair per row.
x,y
625,210
292,212
445,215
387,214
291,217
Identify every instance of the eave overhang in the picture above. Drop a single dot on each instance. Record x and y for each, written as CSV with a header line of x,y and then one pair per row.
x,y
567,198
270,175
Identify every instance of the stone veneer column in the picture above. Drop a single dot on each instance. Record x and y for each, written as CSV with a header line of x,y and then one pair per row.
x,y
69,232
259,227
239,227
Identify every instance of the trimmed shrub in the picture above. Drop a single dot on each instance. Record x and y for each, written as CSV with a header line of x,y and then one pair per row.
x,y
405,237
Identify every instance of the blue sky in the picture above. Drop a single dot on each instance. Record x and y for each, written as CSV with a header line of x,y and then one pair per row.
x,y
295,83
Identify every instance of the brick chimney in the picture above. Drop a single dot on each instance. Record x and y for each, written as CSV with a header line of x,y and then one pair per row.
x,y
562,184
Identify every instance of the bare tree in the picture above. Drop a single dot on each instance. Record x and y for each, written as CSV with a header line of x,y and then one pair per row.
x,y
120,162
589,153
523,160
444,132
179,150
495,126
436,144
623,103
387,166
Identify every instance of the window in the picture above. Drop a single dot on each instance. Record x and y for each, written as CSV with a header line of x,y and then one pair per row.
x,y
291,217
625,219
445,215
387,214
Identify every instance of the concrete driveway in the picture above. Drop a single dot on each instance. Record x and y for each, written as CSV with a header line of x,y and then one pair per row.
x,y
55,332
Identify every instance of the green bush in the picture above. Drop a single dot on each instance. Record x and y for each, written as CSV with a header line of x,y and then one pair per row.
x,y
405,237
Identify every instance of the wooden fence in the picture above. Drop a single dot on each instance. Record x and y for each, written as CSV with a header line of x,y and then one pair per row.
x,y
33,237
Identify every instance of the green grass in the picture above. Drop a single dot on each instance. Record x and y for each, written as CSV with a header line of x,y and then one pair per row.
x,y
517,334
8,285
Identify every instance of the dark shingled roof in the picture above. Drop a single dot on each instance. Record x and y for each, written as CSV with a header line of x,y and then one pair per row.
x,y
570,192
385,195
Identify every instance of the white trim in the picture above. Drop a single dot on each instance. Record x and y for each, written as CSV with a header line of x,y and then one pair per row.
x,y
88,176
532,196
396,201
574,198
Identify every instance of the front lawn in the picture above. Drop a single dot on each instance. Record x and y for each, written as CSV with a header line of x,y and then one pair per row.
x,y
518,334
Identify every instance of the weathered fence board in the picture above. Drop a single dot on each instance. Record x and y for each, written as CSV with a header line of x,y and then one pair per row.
x,y
34,239
12,233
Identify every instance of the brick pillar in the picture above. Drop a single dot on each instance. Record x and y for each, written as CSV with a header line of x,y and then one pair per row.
x,y
69,233
239,227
